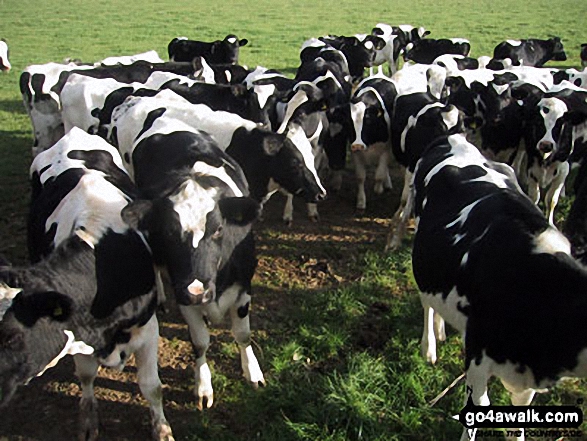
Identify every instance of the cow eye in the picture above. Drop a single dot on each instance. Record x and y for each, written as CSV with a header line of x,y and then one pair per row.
x,y
218,233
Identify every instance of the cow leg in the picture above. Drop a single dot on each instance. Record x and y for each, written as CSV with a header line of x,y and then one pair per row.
x,y
519,397
146,357
399,222
382,178
439,328
200,338
477,376
361,175
428,343
288,210
313,212
241,330
86,370
554,192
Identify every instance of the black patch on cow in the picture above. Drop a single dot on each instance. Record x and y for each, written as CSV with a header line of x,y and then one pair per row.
x,y
150,120
124,270
243,311
29,308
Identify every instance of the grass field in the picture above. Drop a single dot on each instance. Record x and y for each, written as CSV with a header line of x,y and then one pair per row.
x,y
340,351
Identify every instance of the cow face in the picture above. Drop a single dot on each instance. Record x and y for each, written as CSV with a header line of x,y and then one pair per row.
x,y
227,49
545,127
558,51
370,119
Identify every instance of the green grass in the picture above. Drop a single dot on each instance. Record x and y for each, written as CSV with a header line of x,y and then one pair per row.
x,y
342,363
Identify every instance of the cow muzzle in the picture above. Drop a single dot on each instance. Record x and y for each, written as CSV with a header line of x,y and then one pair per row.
x,y
358,147
200,294
545,147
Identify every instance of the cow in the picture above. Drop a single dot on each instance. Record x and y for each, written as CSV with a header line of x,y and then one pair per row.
x,y
487,261
41,85
198,214
5,65
267,158
583,55
234,98
359,54
577,77
575,224
555,138
216,52
91,292
371,109
426,50
530,52
150,56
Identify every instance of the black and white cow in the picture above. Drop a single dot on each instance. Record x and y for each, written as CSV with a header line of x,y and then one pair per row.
x,y
41,86
198,216
216,52
426,50
92,294
5,65
371,110
530,52
267,158
488,262
556,137
234,98
577,77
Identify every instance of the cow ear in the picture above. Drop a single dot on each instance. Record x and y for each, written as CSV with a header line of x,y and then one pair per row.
x,y
239,211
135,212
575,118
243,42
272,144
30,308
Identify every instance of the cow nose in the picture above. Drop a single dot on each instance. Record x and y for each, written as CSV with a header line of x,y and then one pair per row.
x,y
358,147
545,147
320,197
199,293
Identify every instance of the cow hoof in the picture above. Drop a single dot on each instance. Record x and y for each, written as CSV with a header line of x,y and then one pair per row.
x,y
205,402
315,218
288,222
162,432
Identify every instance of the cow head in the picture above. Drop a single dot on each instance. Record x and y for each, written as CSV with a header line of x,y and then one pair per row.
x,y
195,224
228,49
33,336
370,119
558,51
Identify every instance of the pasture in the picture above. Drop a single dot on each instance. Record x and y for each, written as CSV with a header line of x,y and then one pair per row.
x,y
336,321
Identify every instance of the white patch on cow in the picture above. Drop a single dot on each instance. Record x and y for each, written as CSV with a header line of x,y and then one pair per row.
x,y
464,214
514,42
232,40
193,203
551,241
466,155
203,168
4,55
7,294
72,347
150,56
94,205
296,101
357,116
459,40
297,135
369,45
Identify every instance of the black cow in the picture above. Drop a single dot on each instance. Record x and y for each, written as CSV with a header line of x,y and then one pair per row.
x,y
426,50
530,52
583,55
92,293
216,52
488,262
198,216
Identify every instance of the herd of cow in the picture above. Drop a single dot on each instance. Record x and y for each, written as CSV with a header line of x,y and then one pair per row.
x,y
148,170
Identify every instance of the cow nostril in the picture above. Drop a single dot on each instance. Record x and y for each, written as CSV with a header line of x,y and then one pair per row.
x,y
320,197
545,147
358,147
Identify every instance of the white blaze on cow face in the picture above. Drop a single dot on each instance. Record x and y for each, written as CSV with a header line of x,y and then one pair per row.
x,y
297,135
357,115
551,110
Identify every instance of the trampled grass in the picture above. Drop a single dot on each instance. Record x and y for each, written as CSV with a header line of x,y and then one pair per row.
x,y
341,364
